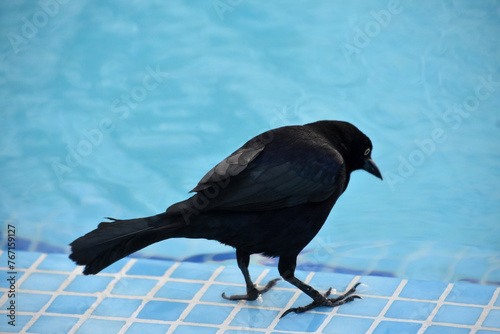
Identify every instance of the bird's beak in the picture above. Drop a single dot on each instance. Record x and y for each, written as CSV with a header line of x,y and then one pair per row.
x,y
372,168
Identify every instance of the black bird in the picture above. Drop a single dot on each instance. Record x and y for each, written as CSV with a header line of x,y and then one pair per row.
x,y
271,196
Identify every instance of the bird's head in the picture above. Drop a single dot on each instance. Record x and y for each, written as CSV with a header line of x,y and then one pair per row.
x,y
359,149
355,147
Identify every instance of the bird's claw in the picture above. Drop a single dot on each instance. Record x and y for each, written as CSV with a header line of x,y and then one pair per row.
x,y
330,302
254,293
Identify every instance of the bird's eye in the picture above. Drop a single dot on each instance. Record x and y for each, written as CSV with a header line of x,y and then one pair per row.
x,y
367,151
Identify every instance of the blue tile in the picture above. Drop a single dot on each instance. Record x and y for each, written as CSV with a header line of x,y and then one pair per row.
x,y
484,331
497,303
117,307
492,319
4,282
185,329
43,281
254,318
396,327
53,324
437,329
92,326
465,293
425,290
410,310
456,314
378,286
20,322
143,328
214,293
232,274
115,267
368,306
303,300
4,256
57,262
162,310
304,322
242,331
88,284
178,290
194,271
23,260
324,281
29,302
209,314
71,304
131,286
341,325
147,267
45,247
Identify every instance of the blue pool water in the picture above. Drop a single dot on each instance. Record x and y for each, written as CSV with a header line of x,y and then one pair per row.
x,y
119,109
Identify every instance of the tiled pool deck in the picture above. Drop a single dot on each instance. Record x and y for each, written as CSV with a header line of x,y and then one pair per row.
x,y
152,296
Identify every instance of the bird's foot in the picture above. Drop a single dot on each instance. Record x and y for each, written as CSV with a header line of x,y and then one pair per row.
x,y
325,301
253,293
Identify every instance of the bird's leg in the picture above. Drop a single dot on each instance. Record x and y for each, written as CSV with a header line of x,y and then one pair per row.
x,y
253,293
286,268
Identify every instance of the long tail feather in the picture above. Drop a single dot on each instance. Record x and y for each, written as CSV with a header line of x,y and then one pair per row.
x,y
112,241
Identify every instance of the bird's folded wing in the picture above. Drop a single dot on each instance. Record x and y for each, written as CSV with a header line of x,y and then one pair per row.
x,y
231,166
242,182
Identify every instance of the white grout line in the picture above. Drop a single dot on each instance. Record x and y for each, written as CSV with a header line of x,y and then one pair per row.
x,y
237,306
225,325
195,300
333,312
381,316
485,312
26,273
439,303
55,293
101,296
149,296
292,300
262,275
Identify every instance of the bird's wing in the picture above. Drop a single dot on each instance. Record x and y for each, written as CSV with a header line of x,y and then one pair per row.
x,y
231,166
259,177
